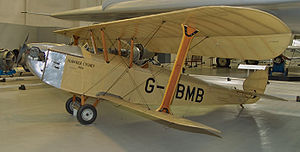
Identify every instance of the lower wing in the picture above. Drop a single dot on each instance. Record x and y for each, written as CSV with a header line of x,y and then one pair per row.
x,y
173,121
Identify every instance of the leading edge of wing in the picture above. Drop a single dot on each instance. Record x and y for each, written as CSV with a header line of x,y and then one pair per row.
x,y
171,120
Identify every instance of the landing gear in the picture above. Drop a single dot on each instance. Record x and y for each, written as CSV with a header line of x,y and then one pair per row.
x,y
70,105
223,62
86,114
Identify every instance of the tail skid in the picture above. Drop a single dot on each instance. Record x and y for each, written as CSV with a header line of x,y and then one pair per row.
x,y
261,95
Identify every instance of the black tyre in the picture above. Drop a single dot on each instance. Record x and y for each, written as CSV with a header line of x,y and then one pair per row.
x,y
87,114
252,62
278,60
70,105
223,62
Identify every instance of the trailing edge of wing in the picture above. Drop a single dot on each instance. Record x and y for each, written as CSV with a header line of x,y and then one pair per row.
x,y
162,116
233,32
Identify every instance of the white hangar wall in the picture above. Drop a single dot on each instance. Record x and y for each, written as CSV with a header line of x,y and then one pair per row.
x,y
14,26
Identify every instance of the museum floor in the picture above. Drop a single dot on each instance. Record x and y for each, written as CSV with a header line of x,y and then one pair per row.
x,y
35,120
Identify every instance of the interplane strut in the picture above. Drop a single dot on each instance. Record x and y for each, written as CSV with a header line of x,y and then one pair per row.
x,y
131,53
76,40
105,52
119,47
93,41
188,35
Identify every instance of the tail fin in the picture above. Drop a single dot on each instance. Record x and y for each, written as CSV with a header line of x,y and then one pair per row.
x,y
255,85
256,82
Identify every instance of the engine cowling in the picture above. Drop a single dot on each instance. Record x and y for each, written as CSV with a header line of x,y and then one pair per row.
x,y
140,54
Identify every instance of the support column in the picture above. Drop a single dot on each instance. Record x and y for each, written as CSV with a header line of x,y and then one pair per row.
x,y
188,35
105,52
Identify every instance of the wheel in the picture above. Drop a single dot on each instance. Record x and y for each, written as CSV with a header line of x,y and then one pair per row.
x,y
223,62
278,60
252,62
70,105
87,114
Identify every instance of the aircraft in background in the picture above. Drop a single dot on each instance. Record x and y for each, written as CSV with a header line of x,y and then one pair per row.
x,y
286,10
10,59
113,60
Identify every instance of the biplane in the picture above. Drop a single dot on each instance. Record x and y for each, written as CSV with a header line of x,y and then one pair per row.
x,y
114,60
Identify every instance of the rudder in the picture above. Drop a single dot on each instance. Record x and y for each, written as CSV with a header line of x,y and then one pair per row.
x,y
256,82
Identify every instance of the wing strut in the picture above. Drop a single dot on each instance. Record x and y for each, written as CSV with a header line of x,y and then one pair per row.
x,y
93,41
104,46
76,40
119,47
131,53
188,35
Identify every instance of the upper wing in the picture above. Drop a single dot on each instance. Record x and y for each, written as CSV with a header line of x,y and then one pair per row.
x,y
233,32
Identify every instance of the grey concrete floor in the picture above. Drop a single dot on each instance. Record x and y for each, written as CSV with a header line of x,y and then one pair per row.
x,y
35,120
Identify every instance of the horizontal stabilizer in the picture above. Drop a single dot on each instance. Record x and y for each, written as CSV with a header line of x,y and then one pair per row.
x,y
255,84
181,122
271,97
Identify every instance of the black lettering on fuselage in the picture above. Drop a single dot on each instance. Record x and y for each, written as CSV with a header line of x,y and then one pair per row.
x,y
82,64
88,65
189,93
199,96
180,91
75,61
149,88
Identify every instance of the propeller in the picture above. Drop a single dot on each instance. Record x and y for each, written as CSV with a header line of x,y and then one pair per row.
x,y
23,49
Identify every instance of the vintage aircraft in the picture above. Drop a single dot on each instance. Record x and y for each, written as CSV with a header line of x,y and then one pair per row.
x,y
112,60
9,61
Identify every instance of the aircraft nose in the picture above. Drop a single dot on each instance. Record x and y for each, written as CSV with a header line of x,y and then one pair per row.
x,y
47,62
35,59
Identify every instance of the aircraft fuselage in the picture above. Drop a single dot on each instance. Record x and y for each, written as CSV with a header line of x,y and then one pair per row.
x,y
85,73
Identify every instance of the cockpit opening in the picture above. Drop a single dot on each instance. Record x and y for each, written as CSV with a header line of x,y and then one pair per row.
x,y
140,54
